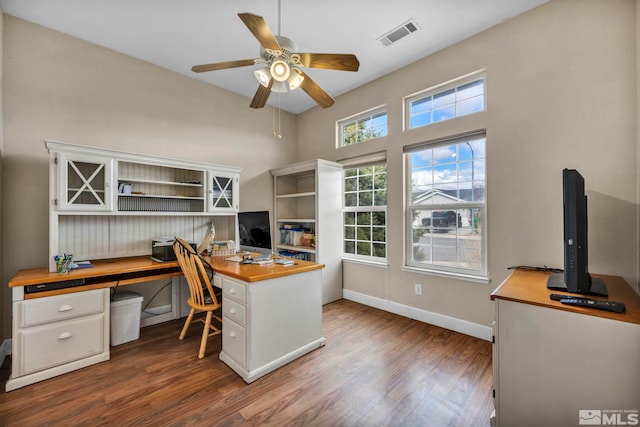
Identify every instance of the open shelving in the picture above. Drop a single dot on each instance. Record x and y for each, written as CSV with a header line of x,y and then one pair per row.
x,y
307,196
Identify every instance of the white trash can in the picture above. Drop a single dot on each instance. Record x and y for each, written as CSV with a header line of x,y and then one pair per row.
x,y
126,308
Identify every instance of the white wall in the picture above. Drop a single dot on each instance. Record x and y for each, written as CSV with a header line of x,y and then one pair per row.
x,y
61,88
561,92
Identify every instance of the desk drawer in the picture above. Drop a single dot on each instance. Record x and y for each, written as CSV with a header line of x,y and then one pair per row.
x,y
46,346
52,309
234,289
234,311
234,341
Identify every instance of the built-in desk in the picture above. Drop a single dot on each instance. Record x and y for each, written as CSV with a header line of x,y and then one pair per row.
x,y
552,361
272,314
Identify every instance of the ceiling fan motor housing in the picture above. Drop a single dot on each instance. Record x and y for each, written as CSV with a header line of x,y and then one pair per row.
x,y
287,46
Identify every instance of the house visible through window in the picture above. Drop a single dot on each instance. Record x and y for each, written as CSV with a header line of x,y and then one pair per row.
x,y
365,210
362,127
446,212
459,98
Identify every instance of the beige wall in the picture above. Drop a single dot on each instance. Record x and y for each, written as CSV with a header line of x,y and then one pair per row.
x,y
561,85
61,88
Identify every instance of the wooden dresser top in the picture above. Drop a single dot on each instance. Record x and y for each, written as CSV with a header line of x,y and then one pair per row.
x,y
530,287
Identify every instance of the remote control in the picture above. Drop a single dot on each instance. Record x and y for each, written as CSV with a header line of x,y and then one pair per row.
x,y
616,307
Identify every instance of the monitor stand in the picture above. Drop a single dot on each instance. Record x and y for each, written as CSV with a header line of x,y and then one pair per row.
x,y
596,286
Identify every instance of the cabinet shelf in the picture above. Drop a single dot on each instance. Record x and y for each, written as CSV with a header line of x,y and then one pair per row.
x,y
156,182
293,195
297,220
307,249
158,196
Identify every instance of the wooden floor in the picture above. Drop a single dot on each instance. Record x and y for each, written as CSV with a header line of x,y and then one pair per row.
x,y
377,369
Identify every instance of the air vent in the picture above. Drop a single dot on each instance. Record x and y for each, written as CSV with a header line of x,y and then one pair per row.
x,y
398,33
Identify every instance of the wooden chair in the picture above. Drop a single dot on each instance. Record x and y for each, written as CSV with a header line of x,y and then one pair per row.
x,y
202,296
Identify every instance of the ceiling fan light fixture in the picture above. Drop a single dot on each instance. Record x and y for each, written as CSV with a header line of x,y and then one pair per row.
x,y
280,87
295,79
280,70
263,76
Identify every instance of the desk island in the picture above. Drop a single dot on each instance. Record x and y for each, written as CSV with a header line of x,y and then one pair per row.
x,y
272,314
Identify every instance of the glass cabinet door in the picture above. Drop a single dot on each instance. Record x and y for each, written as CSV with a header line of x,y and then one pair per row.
x,y
223,192
85,183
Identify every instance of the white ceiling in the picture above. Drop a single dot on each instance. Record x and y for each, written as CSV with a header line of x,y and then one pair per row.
x,y
177,34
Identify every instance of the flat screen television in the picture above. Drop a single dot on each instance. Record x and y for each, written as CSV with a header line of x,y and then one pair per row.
x,y
255,231
575,278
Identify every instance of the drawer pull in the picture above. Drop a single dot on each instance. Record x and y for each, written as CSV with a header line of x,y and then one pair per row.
x,y
232,311
232,291
65,307
64,336
232,334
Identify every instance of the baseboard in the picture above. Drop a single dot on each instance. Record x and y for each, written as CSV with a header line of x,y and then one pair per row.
x,y
444,321
5,350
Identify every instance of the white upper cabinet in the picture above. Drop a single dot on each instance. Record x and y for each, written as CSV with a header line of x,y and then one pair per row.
x,y
90,180
85,182
223,191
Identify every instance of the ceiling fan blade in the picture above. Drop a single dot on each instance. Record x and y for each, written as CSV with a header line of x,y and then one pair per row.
x,y
222,65
259,28
330,61
316,92
262,94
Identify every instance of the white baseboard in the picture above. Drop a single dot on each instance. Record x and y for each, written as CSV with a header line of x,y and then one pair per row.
x,y
442,320
5,349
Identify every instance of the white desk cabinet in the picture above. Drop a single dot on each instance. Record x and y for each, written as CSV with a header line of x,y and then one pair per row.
x,y
58,334
269,323
552,361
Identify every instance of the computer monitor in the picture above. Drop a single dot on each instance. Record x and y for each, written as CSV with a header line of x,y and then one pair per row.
x,y
255,231
576,277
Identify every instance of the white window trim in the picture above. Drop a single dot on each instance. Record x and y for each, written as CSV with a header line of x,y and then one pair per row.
x,y
366,160
362,115
441,87
365,258
444,271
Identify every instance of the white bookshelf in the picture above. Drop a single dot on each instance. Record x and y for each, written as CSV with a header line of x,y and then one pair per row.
x,y
308,195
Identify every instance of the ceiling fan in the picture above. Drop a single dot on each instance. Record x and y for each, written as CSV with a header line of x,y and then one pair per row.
x,y
282,65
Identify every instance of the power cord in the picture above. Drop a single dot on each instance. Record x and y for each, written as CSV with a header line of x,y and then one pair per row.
x,y
533,268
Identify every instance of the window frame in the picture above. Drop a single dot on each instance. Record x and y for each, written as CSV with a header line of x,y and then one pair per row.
x,y
360,117
364,209
439,89
479,275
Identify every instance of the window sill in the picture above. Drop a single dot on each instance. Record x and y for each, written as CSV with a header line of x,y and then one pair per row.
x,y
447,274
379,264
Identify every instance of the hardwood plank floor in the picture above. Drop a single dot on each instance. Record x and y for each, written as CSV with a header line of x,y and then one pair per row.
x,y
377,369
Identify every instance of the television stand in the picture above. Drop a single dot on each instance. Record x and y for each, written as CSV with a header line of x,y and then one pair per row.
x,y
596,285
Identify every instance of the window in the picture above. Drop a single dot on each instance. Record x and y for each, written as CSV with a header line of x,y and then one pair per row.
x,y
365,211
459,98
362,127
446,214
